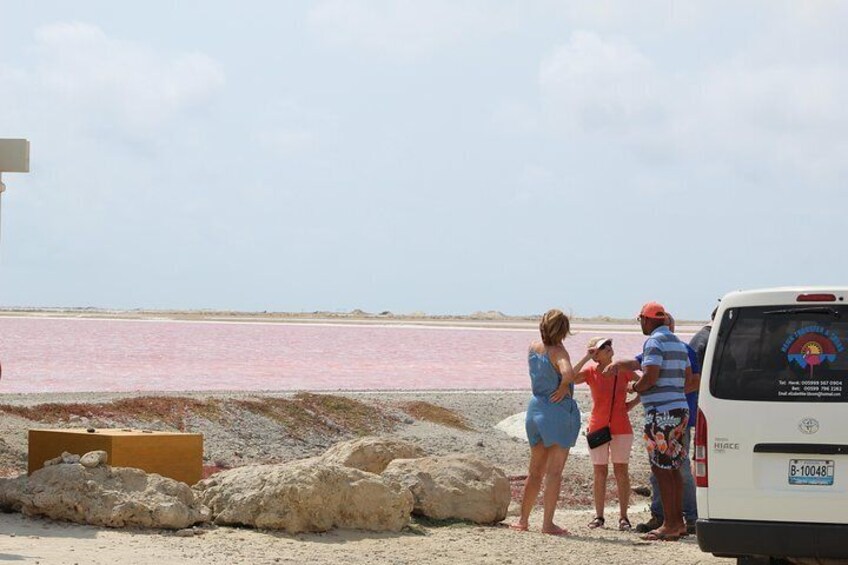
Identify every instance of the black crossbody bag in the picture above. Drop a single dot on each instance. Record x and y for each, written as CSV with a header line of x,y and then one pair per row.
x,y
603,435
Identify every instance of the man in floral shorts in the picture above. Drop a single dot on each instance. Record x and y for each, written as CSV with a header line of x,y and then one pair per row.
x,y
665,364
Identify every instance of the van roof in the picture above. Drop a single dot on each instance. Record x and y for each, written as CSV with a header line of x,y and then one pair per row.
x,y
779,295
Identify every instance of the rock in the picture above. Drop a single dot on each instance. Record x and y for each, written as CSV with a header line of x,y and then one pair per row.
x,y
70,458
11,492
94,459
54,461
642,490
480,443
310,495
371,454
454,486
106,496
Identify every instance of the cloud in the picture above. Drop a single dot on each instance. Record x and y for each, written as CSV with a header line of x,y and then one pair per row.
x,y
117,82
771,116
595,84
407,29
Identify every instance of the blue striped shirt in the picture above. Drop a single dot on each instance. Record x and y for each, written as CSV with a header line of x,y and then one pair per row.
x,y
663,349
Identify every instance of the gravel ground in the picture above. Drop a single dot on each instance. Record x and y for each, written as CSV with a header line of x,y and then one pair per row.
x,y
243,437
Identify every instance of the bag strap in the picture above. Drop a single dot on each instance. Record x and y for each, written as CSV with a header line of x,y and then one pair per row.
x,y
612,404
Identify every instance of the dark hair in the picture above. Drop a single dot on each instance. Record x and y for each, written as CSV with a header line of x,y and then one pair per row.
x,y
554,327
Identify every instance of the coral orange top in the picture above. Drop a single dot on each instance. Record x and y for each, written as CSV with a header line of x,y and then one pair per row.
x,y
601,387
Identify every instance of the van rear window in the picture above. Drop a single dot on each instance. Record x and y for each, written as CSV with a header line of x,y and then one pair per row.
x,y
791,353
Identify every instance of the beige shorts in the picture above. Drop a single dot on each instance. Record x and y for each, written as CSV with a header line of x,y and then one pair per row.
x,y
618,450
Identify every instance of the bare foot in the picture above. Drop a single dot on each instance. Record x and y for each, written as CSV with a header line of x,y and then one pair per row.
x,y
662,534
518,527
556,531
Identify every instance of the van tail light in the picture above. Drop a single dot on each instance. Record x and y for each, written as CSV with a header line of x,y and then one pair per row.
x,y
701,468
822,297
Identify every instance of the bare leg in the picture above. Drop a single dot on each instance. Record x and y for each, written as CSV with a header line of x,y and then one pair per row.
x,y
622,481
671,493
600,488
553,480
538,463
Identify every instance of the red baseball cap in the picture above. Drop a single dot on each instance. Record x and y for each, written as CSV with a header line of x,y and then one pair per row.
x,y
653,310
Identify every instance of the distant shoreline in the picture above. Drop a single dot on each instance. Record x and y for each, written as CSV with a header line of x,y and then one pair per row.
x,y
489,319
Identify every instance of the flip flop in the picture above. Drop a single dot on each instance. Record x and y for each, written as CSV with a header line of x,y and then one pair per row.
x,y
624,525
518,527
557,532
654,535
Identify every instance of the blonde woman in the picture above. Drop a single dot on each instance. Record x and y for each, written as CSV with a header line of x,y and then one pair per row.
x,y
553,418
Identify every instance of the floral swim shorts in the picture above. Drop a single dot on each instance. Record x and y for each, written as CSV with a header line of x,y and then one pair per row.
x,y
664,437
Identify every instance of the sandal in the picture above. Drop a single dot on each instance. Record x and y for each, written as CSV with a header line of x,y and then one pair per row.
x,y
518,527
597,522
624,525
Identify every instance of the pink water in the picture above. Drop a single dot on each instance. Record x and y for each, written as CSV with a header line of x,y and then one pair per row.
x,y
80,355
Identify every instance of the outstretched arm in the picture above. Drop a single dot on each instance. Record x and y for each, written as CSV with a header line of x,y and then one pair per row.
x,y
650,375
615,366
568,372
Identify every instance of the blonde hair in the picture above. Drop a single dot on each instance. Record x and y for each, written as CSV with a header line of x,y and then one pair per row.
x,y
554,327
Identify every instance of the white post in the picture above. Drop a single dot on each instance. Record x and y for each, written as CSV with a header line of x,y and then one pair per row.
x,y
14,158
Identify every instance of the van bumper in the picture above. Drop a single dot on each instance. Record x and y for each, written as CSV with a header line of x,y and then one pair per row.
x,y
773,539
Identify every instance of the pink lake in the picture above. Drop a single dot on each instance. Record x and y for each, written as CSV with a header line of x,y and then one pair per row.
x,y
87,355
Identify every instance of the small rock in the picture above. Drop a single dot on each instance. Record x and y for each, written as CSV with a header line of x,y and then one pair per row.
x,y
94,459
642,491
186,533
408,421
54,461
480,443
70,458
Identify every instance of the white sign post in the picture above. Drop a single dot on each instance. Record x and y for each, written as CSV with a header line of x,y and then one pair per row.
x,y
14,158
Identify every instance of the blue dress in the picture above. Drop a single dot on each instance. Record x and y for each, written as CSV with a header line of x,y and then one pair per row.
x,y
546,421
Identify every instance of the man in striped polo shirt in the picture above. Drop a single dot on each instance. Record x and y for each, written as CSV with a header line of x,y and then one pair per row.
x,y
665,365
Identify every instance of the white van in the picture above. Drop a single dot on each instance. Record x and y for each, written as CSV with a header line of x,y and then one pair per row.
x,y
771,443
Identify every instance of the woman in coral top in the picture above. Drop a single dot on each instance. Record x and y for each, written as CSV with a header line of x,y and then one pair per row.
x,y
609,410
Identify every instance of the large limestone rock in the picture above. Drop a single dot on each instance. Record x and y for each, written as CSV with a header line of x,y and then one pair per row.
x,y
454,486
104,496
371,454
11,493
310,495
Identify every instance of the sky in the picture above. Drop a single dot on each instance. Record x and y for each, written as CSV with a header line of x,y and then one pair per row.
x,y
440,156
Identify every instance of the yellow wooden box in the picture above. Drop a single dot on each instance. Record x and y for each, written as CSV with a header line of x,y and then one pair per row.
x,y
170,454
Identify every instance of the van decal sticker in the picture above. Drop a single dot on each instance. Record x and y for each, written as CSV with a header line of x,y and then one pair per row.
x,y
811,346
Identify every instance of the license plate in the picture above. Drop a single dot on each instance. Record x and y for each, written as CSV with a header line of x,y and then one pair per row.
x,y
811,472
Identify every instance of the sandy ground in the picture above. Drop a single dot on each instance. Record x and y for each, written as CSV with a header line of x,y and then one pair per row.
x,y
37,541
258,440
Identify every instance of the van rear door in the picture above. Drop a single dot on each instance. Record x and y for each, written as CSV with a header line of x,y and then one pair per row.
x,y
777,418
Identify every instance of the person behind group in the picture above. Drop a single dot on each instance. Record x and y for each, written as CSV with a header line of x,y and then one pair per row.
x,y
553,418
609,408
699,341
665,370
